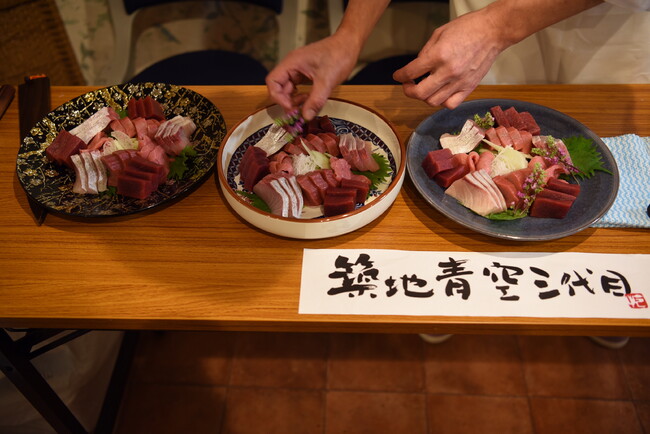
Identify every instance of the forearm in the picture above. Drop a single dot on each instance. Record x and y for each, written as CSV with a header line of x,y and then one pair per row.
x,y
515,20
359,19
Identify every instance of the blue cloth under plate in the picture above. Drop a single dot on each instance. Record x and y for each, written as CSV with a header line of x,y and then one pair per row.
x,y
630,209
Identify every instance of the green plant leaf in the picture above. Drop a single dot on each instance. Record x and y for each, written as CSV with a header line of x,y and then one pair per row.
x,y
255,200
585,156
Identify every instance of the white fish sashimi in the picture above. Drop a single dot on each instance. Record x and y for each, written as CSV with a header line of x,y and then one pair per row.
x,y
470,136
80,181
274,139
94,124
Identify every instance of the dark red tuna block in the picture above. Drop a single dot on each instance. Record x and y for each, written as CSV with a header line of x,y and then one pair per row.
x,y
362,187
499,117
146,107
131,186
429,164
530,123
310,193
339,200
254,166
550,208
446,178
514,118
63,146
563,186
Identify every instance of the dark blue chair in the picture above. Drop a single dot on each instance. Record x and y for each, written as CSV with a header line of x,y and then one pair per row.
x,y
204,67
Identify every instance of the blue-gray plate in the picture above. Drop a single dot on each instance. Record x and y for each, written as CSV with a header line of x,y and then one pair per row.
x,y
597,193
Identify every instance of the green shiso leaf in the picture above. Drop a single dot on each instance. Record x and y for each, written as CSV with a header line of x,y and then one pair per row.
x,y
509,214
255,200
378,176
178,167
585,156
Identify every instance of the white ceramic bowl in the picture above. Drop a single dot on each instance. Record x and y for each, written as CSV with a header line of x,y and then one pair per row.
x,y
347,116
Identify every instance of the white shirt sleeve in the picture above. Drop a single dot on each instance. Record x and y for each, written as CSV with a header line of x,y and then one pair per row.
x,y
639,5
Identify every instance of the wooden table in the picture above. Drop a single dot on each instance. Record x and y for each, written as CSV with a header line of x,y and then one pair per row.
x,y
198,266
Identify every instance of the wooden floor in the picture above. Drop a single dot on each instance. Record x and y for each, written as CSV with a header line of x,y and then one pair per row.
x,y
186,382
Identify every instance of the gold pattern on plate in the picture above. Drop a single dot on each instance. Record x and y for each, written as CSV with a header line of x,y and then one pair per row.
x,y
51,185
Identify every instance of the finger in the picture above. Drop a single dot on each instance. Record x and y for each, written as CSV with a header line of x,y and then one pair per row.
x,y
456,99
280,92
425,89
316,100
411,71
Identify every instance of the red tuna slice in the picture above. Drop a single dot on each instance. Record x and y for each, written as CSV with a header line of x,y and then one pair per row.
x,y
281,162
530,123
152,127
362,179
499,116
555,195
348,147
563,186
504,136
136,187
527,140
63,146
485,161
317,178
152,109
133,108
509,191
128,126
517,140
294,148
492,136
467,160
546,207
342,191
141,129
325,124
139,163
330,178
98,141
112,162
432,168
514,119
448,177
331,143
310,193
518,177
428,164
135,173
341,168
316,143
361,187
340,202
254,166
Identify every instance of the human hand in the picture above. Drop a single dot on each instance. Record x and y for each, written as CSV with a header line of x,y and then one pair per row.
x,y
325,63
456,58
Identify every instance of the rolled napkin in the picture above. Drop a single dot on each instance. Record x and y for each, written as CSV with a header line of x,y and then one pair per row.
x,y
630,208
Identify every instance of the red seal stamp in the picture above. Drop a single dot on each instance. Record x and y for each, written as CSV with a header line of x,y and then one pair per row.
x,y
637,300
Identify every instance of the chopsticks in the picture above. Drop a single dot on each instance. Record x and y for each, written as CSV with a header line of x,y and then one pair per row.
x,y
7,93
33,105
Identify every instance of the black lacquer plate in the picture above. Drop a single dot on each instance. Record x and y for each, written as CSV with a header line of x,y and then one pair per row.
x,y
596,196
50,185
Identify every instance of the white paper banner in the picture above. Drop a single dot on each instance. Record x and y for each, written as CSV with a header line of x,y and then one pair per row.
x,y
397,282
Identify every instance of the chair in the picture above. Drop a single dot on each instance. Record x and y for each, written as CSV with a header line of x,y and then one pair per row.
x,y
198,67
383,55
